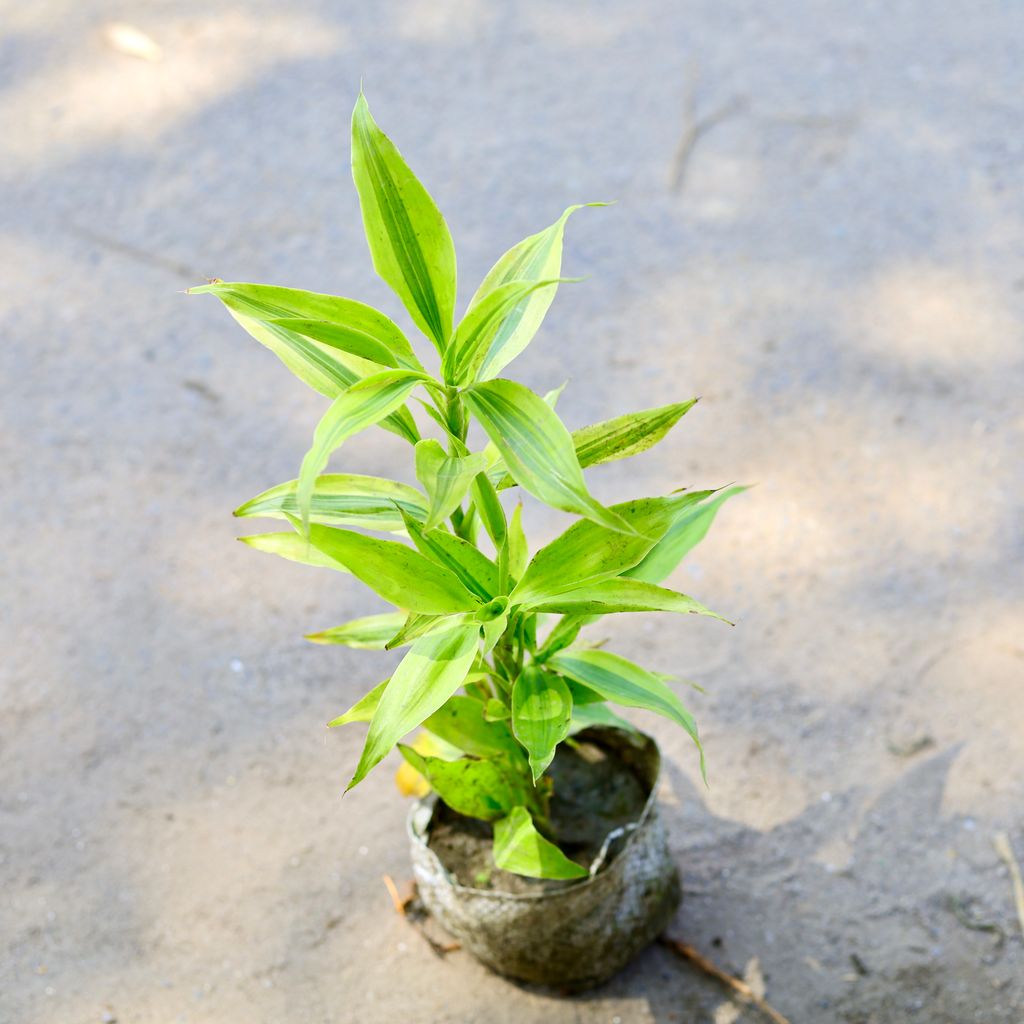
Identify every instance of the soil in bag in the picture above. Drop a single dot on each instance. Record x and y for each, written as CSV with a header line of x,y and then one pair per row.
x,y
595,792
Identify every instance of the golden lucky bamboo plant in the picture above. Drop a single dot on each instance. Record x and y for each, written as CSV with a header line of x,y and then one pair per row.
x,y
495,668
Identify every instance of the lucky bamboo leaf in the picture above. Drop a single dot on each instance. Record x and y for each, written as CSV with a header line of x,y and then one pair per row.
x,y
370,633
409,240
460,721
465,561
623,595
537,258
343,499
362,405
434,668
684,535
564,633
619,680
478,789
496,472
537,448
471,344
597,713
446,478
270,303
541,710
518,549
321,371
588,552
396,572
490,509
294,547
363,709
343,339
496,710
416,625
627,435
521,849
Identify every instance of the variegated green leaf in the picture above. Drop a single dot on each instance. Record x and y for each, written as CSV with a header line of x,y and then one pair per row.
x,y
370,633
489,507
496,710
362,405
518,549
330,372
619,680
536,447
537,258
496,471
478,789
623,595
597,713
343,499
563,634
363,710
471,344
294,547
521,849
627,435
469,564
541,710
343,339
683,536
271,304
409,240
434,668
446,478
588,552
417,624
460,721
396,572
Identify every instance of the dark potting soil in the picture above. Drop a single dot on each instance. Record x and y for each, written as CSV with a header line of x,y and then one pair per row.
x,y
594,792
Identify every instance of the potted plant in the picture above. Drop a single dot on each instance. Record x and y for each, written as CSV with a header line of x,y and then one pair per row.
x,y
539,845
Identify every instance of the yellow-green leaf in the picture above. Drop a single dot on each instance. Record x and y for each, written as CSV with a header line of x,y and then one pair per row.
x,y
536,448
587,552
396,572
409,240
473,338
460,721
294,547
619,680
343,499
521,849
541,711
363,709
623,595
535,259
370,633
627,435
683,536
271,303
362,405
434,668
446,478
478,789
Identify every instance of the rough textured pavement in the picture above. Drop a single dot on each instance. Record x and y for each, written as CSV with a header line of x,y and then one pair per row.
x,y
838,273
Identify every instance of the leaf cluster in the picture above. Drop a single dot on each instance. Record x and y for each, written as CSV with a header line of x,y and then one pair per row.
x,y
494,666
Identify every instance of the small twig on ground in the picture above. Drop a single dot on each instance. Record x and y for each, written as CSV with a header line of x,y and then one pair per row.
x,y
1001,841
695,126
413,911
741,988
400,904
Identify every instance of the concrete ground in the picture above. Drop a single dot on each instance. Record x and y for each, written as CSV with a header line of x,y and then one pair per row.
x,y
819,230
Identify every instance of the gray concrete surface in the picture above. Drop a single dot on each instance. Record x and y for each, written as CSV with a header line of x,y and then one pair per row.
x,y
838,274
